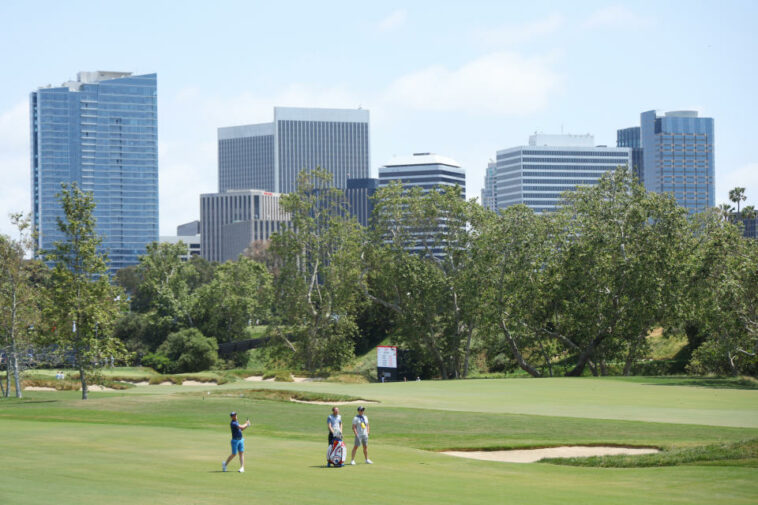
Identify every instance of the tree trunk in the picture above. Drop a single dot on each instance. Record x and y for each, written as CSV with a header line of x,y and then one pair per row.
x,y
517,354
584,357
84,382
603,368
13,361
592,368
468,352
631,357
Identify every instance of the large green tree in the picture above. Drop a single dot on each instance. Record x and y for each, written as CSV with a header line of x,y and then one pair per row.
x,y
317,289
81,304
422,270
723,297
238,296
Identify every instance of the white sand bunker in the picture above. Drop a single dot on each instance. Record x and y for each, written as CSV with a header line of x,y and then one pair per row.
x,y
314,402
534,455
198,383
38,388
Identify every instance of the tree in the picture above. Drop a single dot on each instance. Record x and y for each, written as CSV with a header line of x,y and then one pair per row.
x,y
81,305
588,282
516,253
736,196
622,267
18,304
237,297
723,297
189,350
422,270
166,291
748,212
317,290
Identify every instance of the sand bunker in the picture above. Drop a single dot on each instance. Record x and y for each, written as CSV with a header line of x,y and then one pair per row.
x,y
254,378
198,383
314,402
534,455
38,388
95,387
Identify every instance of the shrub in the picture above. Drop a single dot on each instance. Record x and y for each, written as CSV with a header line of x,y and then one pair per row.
x,y
157,362
189,351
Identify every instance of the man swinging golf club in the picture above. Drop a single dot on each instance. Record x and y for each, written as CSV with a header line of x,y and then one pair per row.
x,y
238,443
361,430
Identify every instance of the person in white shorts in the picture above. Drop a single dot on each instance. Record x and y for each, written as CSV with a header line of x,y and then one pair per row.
x,y
361,429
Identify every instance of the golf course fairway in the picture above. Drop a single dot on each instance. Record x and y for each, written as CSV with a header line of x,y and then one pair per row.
x,y
165,444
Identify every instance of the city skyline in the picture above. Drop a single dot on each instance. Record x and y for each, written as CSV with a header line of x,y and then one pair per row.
x,y
437,77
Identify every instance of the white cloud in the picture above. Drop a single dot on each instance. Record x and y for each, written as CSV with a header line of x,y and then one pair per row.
x,y
14,164
393,21
509,35
745,176
497,83
617,16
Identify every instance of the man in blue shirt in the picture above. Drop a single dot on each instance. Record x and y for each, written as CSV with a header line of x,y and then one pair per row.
x,y
238,443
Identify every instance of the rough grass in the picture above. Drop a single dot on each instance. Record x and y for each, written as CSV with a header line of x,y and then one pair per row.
x,y
284,395
741,453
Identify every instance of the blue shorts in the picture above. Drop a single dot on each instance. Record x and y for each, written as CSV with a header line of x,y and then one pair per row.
x,y
238,445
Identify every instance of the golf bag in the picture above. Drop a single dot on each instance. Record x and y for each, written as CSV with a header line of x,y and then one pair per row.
x,y
337,452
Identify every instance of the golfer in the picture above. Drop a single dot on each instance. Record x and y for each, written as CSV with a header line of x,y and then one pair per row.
x,y
361,430
238,443
334,423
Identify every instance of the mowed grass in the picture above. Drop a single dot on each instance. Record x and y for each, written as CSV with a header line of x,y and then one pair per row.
x,y
716,402
164,444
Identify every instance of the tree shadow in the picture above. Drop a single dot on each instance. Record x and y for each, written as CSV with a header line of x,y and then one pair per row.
x,y
710,382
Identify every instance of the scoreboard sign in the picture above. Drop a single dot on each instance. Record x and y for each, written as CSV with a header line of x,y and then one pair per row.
x,y
386,356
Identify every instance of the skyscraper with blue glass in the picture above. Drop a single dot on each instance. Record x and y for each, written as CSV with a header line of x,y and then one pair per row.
x,y
676,156
100,131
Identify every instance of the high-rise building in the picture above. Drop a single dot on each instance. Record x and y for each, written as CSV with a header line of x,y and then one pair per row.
x,y
538,174
488,190
359,195
101,132
676,153
630,137
429,172
269,156
232,220
425,170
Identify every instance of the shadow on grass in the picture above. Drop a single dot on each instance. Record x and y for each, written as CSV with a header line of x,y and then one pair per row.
x,y
710,382
22,402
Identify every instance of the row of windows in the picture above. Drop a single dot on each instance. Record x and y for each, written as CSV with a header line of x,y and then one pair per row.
x,y
615,161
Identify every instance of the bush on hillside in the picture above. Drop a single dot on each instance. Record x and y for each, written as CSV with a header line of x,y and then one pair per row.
x,y
189,351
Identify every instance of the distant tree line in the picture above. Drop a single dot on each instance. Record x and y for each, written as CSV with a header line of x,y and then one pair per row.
x,y
462,288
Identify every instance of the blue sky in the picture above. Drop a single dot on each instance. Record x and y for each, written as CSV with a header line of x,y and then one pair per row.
x,y
462,79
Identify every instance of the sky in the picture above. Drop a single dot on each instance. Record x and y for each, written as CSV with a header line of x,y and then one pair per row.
x,y
461,79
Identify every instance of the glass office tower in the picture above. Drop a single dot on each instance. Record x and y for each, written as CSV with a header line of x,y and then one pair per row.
x,y
630,137
678,157
269,156
100,131
538,174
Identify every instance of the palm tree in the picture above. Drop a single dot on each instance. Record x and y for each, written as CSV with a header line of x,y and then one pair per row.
x,y
737,195
725,211
749,212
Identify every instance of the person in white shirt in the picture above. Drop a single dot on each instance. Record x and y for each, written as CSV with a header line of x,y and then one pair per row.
x,y
361,429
